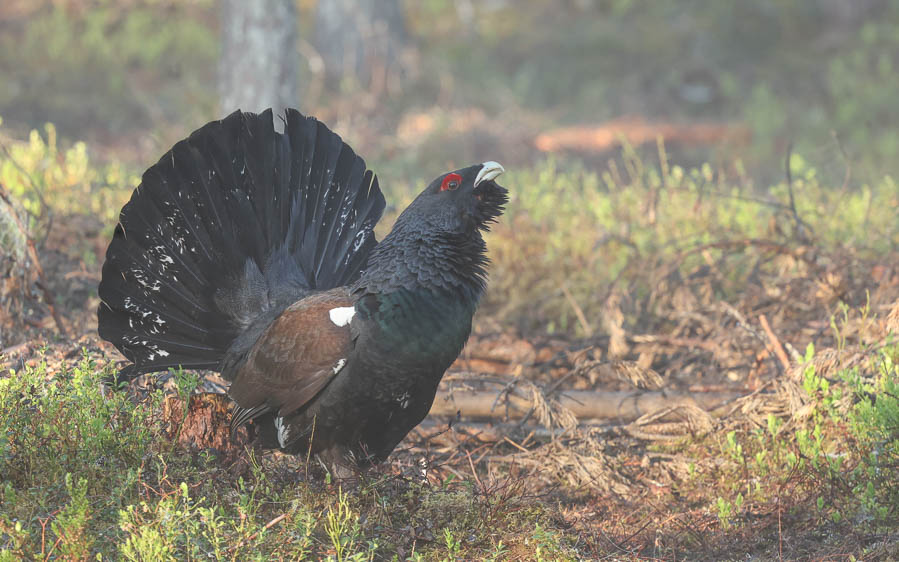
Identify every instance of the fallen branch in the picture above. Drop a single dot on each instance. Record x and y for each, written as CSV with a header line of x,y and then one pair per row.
x,y
252,537
578,311
584,404
776,346
636,131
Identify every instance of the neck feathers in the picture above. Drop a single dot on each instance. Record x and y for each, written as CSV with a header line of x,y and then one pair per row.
x,y
441,262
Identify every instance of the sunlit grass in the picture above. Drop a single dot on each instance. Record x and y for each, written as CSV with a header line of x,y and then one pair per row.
x,y
571,229
86,472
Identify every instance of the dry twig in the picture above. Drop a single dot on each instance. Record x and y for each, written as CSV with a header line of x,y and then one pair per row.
x,y
776,346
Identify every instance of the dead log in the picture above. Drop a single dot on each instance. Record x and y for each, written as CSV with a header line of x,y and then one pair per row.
x,y
205,424
637,131
622,406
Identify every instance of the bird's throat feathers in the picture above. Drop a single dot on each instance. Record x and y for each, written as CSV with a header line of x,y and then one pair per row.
x,y
439,262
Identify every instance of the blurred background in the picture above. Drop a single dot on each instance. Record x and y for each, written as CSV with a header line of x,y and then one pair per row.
x,y
443,81
631,131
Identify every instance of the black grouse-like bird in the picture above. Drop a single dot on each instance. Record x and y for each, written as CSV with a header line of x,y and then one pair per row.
x,y
251,252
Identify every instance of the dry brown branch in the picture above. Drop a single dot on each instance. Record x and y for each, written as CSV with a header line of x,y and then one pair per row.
x,y
846,160
550,412
637,375
613,322
891,323
636,131
15,349
578,311
674,341
693,419
801,225
583,404
775,344
252,537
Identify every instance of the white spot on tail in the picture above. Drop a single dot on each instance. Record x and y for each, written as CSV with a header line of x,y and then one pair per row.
x,y
283,431
342,315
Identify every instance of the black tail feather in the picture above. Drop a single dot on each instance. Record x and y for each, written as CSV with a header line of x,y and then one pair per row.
x,y
233,224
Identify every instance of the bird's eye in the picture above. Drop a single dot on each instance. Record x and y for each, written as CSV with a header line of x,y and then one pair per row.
x,y
450,182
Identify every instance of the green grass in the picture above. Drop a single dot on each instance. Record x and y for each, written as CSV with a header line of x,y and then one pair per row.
x,y
836,464
642,223
88,473
46,178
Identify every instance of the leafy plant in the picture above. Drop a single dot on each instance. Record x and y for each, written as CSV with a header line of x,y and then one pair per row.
x,y
47,179
571,236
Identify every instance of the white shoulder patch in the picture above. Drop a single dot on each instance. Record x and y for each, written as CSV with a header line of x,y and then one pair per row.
x,y
342,315
339,365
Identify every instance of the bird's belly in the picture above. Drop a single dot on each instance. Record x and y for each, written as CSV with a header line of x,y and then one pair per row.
x,y
379,416
367,418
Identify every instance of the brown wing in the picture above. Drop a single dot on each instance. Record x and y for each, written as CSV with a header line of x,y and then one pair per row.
x,y
294,359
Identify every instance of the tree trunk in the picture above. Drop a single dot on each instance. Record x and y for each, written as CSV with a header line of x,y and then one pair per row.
x,y
360,41
258,66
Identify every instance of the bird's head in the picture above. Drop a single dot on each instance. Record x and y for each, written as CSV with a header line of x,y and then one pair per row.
x,y
436,243
459,202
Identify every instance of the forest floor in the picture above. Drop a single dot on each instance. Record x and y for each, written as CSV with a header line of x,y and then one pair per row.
x,y
739,361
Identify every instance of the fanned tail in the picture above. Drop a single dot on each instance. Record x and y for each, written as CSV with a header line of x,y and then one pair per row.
x,y
230,227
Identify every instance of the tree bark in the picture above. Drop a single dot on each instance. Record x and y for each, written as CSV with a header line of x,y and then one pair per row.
x,y
360,40
258,66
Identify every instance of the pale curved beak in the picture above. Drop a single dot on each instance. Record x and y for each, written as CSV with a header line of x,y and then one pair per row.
x,y
489,171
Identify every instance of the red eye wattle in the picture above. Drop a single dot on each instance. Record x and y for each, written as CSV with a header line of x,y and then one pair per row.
x,y
451,182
